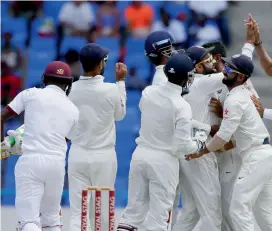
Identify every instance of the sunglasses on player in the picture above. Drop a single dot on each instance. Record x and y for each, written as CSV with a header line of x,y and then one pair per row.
x,y
208,60
230,70
106,58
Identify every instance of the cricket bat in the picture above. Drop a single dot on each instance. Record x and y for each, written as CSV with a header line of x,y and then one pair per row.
x,y
11,140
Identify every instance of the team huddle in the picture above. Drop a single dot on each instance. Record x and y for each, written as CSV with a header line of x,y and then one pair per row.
x,y
201,137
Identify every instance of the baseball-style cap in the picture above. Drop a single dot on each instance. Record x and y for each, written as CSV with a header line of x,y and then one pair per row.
x,y
92,52
240,63
178,66
197,53
58,69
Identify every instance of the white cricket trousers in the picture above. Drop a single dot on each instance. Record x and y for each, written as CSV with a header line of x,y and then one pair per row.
x,y
39,183
229,164
201,195
253,188
90,168
153,179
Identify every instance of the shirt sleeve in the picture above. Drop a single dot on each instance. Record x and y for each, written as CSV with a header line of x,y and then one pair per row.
x,y
120,101
159,79
248,50
232,115
267,114
73,128
249,86
210,83
183,143
17,105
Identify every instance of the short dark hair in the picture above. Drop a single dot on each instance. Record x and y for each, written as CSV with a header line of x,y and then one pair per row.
x,y
156,60
89,66
219,48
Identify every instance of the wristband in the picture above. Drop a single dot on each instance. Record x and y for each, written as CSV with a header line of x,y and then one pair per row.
x,y
258,44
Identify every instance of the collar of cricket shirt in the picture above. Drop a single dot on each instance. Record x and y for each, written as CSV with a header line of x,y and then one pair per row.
x,y
55,88
175,87
197,75
97,78
238,88
160,67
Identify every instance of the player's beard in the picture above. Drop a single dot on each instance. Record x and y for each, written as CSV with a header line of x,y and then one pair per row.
x,y
102,70
229,82
208,71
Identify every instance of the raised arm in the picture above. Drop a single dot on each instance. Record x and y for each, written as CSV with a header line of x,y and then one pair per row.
x,y
254,32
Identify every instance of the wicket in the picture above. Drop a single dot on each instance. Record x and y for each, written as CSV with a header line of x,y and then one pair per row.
x,y
97,214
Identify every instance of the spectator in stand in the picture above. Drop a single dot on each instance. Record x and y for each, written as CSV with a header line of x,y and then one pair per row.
x,y
134,82
11,84
139,17
76,19
172,26
212,10
29,10
10,53
72,59
108,20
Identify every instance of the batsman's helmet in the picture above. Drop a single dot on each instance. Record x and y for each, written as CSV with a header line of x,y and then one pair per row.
x,y
179,70
159,43
58,72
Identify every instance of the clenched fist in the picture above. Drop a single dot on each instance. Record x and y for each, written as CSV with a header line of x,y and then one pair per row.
x,y
120,71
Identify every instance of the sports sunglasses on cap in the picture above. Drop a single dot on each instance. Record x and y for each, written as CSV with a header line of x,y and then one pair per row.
x,y
230,70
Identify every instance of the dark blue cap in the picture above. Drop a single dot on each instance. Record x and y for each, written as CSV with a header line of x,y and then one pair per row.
x,y
178,66
156,41
240,63
92,52
197,53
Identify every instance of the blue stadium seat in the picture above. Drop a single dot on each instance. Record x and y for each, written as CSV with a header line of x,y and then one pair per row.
x,y
43,44
34,77
4,9
122,5
135,45
39,59
72,42
14,25
52,8
111,43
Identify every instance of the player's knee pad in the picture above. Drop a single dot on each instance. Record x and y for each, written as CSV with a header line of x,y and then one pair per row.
x,y
28,227
125,227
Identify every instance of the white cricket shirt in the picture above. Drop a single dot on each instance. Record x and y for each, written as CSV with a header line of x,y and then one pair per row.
x,y
202,90
242,120
267,114
159,76
100,105
166,120
49,117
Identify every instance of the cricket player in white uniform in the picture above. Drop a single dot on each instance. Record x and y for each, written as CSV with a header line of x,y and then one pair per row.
x,y
92,157
164,135
205,199
39,173
253,186
158,48
229,162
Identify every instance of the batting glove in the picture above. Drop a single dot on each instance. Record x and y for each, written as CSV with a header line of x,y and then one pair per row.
x,y
5,149
16,148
